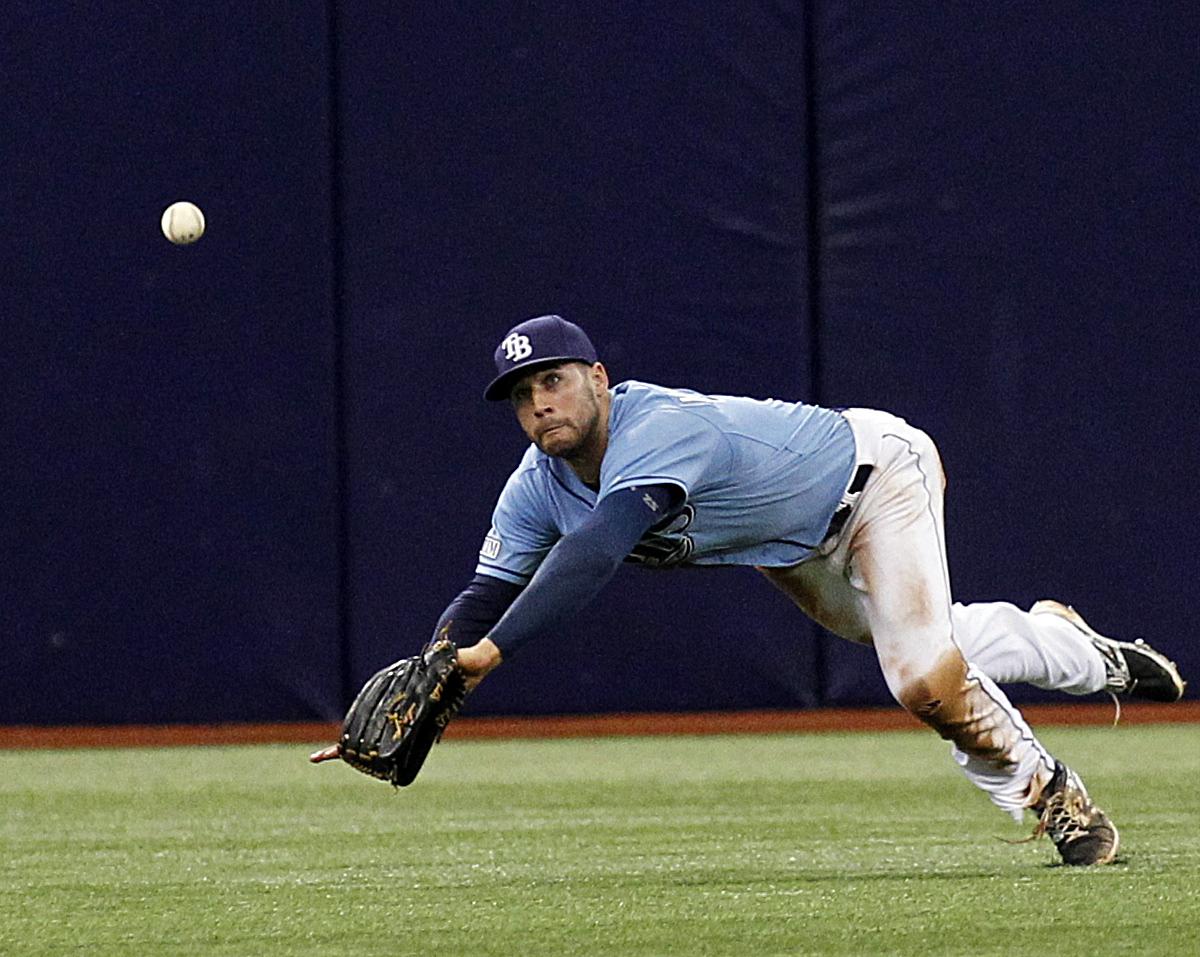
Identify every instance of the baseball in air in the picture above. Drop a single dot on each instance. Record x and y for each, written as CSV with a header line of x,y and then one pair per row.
x,y
182,223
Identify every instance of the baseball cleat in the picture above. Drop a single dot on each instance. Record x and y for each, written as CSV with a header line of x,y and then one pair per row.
x,y
1132,669
1081,831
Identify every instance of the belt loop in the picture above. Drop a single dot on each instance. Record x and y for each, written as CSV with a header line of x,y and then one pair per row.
x,y
859,482
846,505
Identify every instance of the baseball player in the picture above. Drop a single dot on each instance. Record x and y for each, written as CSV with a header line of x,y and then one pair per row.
x,y
841,510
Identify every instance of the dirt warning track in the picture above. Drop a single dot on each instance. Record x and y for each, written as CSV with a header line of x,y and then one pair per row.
x,y
574,726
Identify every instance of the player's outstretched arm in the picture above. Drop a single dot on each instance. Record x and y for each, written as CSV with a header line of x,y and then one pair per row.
x,y
580,564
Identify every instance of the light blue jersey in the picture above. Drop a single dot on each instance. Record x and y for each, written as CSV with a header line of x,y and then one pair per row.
x,y
760,479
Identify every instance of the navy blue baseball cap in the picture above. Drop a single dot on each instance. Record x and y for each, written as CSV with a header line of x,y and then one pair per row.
x,y
543,340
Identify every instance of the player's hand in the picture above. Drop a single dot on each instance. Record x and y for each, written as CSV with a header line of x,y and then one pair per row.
x,y
478,661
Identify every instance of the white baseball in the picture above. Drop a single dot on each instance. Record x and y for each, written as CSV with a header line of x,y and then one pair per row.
x,y
182,223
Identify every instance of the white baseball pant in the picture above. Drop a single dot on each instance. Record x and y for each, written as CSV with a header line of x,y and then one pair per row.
x,y
883,580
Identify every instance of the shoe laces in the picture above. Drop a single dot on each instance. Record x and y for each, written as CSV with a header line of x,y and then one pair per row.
x,y
1065,817
1117,676
1116,704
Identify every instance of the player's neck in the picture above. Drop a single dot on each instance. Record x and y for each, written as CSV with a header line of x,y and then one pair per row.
x,y
587,464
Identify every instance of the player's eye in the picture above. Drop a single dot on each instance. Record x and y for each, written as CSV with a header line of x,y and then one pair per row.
x,y
552,379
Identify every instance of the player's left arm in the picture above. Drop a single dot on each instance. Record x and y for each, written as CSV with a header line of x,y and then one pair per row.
x,y
579,565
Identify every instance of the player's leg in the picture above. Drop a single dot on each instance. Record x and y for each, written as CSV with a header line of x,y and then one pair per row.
x,y
894,589
1051,646
818,587
883,582
1010,645
894,552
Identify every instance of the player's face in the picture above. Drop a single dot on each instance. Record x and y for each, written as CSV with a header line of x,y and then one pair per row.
x,y
561,408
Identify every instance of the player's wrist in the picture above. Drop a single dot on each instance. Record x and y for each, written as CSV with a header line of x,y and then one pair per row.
x,y
480,658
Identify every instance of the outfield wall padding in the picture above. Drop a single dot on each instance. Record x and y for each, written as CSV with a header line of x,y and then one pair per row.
x,y
242,475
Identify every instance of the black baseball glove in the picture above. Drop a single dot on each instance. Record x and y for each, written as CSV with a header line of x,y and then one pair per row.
x,y
401,713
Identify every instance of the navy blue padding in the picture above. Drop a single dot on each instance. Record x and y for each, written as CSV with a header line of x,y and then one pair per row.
x,y
1008,258
168,427
241,476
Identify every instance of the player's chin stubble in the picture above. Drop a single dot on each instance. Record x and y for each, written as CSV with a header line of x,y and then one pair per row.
x,y
558,442
570,440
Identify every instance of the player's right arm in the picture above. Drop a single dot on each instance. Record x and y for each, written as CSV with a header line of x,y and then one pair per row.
x,y
574,571
578,566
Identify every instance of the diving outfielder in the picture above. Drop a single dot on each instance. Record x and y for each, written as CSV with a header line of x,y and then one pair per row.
x,y
840,510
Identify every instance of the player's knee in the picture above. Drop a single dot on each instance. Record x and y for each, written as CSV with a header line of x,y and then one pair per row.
x,y
936,696
959,711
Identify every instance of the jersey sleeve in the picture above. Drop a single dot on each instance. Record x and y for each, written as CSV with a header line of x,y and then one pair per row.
x,y
522,531
578,567
670,447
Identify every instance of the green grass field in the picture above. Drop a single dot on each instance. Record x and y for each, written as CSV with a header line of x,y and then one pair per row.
x,y
785,844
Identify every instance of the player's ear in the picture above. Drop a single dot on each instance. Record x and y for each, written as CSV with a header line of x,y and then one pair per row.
x,y
599,376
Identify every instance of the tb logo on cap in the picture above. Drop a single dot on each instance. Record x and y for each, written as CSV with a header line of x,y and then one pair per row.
x,y
517,347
